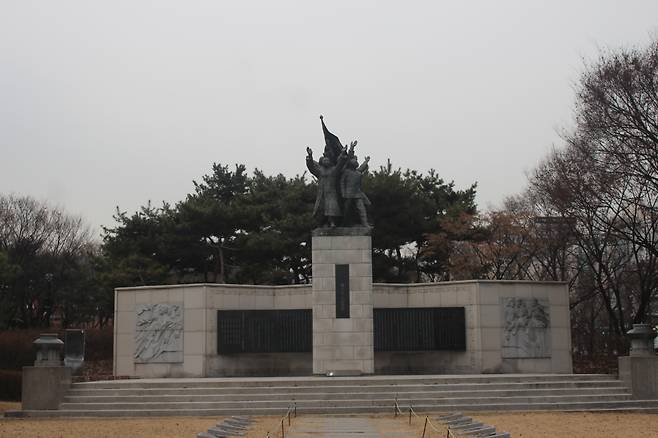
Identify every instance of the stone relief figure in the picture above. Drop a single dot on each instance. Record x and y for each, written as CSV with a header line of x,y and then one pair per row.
x,y
159,333
526,333
350,189
336,184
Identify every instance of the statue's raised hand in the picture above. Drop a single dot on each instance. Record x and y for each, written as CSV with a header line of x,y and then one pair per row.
x,y
366,159
309,152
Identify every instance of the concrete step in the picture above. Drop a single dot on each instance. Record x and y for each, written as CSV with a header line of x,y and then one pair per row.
x,y
264,382
82,389
340,395
649,406
379,395
382,404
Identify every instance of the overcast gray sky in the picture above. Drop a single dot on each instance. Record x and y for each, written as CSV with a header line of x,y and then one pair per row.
x,y
120,102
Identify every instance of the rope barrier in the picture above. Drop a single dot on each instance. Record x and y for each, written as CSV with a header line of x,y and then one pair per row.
x,y
397,411
292,408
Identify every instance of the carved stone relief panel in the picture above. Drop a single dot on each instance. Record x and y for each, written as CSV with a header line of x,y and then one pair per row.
x,y
527,328
159,333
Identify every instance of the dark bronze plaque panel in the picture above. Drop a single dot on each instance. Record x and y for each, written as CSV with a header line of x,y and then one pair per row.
x,y
342,291
264,331
420,329
74,343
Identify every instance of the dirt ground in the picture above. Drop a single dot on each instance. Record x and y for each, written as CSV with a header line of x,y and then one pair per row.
x,y
567,425
167,427
574,425
520,425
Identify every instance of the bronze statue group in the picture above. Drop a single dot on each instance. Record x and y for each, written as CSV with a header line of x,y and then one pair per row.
x,y
339,177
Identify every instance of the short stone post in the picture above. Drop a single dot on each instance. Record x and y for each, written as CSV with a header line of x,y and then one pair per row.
x,y
639,370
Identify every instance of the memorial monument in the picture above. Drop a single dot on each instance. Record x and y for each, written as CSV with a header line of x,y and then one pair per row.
x,y
342,264
342,323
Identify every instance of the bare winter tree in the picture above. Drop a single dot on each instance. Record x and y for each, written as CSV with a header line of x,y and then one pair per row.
x,y
606,179
43,249
590,214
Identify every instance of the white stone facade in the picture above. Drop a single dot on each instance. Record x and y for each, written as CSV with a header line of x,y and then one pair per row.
x,y
200,303
485,326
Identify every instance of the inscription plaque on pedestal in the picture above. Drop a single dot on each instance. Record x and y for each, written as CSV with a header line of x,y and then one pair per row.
x,y
342,291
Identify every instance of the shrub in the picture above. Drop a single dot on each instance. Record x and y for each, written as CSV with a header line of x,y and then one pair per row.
x,y
17,351
99,344
10,384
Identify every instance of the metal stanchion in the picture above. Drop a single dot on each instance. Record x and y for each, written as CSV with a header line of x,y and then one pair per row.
x,y
424,427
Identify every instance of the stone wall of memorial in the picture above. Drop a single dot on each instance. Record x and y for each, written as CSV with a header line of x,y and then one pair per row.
x,y
159,331
171,331
510,327
507,327
236,297
431,295
525,327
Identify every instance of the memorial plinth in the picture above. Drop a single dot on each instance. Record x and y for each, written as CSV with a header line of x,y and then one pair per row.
x,y
639,370
342,301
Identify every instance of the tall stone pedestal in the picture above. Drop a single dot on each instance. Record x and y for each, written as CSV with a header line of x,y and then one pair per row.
x,y
44,387
640,373
342,301
639,370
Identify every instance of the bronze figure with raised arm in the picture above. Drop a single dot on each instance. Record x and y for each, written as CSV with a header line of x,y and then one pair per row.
x,y
327,205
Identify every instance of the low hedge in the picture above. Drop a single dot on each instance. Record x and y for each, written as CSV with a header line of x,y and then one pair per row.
x,y
17,351
10,385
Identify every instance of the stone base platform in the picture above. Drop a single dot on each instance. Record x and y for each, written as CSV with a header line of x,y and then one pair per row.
x,y
640,374
340,395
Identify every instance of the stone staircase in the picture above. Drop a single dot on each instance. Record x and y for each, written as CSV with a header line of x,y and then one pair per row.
x,y
340,395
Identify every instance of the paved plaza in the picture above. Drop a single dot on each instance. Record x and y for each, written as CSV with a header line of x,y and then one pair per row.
x,y
348,427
